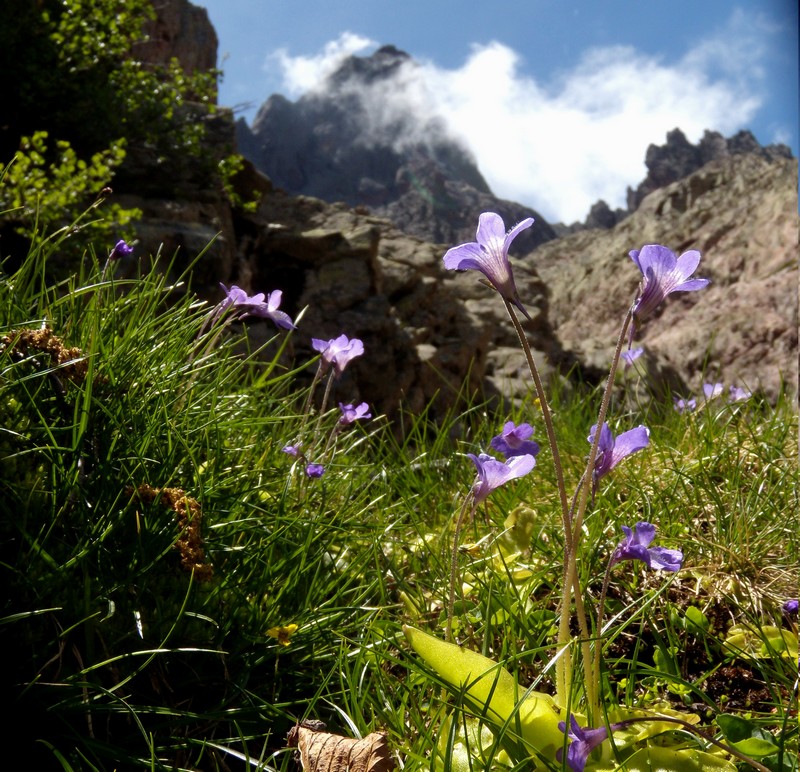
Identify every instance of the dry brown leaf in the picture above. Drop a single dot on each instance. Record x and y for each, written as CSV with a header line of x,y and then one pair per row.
x,y
325,752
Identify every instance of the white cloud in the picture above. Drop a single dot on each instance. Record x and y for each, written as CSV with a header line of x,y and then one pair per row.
x,y
559,147
782,136
305,73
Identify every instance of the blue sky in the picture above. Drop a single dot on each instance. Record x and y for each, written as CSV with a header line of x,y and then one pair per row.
x,y
556,100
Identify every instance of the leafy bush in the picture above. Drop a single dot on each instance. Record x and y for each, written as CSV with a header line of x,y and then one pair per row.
x,y
80,101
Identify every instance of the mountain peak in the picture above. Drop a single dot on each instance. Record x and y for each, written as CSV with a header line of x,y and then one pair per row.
x,y
363,138
367,70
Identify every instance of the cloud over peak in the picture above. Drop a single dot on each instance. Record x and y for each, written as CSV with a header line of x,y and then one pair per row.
x,y
302,74
562,145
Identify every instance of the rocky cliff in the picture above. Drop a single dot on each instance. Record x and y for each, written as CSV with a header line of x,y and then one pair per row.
x,y
740,212
678,158
425,328
182,31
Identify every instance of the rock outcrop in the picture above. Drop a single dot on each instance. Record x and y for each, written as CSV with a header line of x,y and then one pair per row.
x,y
678,158
184,209
180,31
425,329
740,212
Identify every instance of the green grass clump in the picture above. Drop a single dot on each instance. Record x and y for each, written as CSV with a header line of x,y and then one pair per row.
x,y
179,594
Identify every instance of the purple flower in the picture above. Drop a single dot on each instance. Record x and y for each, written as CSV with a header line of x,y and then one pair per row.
x,y
631,355
245,305
735,394
121,250
337,352
493,473
611,451
583,742
635,546
315,470
489,255
712,390
513,441
791,606
685,405
663,273
351,414
292,450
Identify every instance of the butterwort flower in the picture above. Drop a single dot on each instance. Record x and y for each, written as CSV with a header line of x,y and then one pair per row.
x,y
791,606
736,394
315,470
636,546
292,450
685,405
663,273
337,352
493,473
255,305
121,250
631,355
489,255
513,441
611,450
351,413
583,742
712,390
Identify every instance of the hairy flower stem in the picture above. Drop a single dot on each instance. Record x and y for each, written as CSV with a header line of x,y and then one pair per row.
x,y
207,327
451,600
564,664
580,611
335,432
576,522
105,271
594,676
586,651
548,422
325,398
311,390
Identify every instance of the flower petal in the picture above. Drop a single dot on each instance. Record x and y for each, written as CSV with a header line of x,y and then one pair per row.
x,y
493,473
644,533
515,231
663,273
657,258
665,559
520,465
629,442
464,257
687,263
691,285
491,229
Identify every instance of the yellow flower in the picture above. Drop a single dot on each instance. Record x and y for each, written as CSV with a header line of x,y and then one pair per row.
x,y
283,633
